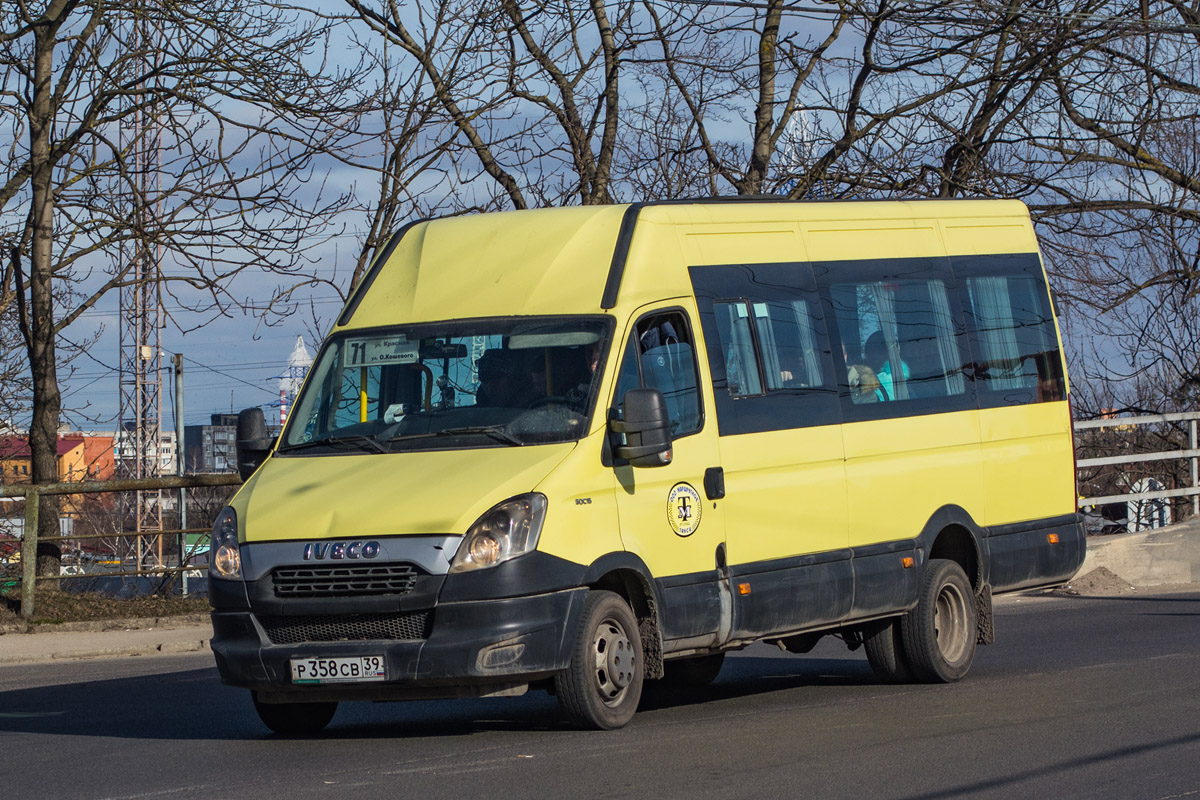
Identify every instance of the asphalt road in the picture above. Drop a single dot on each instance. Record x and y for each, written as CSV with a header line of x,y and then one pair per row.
x,y
1079,698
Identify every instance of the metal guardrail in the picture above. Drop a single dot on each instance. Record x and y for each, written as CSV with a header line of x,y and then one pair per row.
x,y
1192,452
34,492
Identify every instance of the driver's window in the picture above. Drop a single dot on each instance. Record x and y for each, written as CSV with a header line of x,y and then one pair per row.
x,y
661,355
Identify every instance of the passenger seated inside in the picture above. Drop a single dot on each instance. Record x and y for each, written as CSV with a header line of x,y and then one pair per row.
x,y
864,385
876,357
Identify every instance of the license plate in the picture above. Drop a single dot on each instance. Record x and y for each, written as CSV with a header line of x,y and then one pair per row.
x,y
344,669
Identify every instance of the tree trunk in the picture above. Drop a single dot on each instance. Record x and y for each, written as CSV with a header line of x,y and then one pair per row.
x,y
47,400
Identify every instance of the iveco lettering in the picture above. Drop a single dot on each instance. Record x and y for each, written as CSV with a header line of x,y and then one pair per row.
x,y
578,449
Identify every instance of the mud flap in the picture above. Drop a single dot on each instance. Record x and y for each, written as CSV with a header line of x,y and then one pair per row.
x,y
983,612
652,655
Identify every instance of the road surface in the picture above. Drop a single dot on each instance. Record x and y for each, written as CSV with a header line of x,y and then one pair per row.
x,y
1078,698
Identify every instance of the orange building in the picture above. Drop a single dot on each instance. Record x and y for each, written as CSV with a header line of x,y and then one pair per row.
x,y
80,458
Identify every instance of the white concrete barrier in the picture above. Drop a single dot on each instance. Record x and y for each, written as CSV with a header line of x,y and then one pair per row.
x,y
1163,556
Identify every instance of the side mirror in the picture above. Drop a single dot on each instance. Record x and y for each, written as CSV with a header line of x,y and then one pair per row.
x,y
252,443
647,429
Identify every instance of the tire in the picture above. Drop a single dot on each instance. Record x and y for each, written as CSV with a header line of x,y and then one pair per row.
x,y
940,634
885,651
294,719
602,685
693,672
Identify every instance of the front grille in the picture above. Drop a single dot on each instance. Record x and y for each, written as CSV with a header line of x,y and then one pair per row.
x,y
343,580
346,627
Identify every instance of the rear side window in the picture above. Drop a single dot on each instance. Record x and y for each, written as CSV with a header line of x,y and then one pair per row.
x,y
901,341
1013,340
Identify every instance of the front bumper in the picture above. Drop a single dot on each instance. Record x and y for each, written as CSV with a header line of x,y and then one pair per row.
x,y
466,648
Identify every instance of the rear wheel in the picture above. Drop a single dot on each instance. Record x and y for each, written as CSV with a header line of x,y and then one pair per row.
x,y
693,672
885,651
939,635
300,719
602,685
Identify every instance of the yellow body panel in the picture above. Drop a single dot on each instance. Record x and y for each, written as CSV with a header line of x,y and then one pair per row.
x,y
900,471
785,493
581,518
1028,469
507,264
642,494
374,494
642,503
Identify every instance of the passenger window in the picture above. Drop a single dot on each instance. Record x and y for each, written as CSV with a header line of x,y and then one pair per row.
x,y
1016,346
788,336
899,340
661,355
737,343
786,356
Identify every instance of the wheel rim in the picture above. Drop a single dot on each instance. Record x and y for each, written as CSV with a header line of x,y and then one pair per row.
x,y
950,623
615,661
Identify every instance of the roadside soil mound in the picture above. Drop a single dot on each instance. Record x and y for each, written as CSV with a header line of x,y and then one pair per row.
x,y
1100,582
54,609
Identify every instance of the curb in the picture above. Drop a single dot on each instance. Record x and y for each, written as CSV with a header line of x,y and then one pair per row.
x,y
107,639
162,648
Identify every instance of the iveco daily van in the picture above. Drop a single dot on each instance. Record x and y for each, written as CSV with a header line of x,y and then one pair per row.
x,y
577,449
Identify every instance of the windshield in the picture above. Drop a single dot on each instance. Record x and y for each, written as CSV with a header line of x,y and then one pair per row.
x,y
479,383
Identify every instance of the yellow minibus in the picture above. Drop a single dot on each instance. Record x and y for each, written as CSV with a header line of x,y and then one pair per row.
x,y
578,449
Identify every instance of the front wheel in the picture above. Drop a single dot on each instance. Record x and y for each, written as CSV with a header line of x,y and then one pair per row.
x,y
602,685
939,635
294,719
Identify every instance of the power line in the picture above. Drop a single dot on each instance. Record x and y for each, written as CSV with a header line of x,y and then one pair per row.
x,y
227,375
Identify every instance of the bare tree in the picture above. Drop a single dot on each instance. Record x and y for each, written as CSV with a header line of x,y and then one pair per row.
x,y
225,95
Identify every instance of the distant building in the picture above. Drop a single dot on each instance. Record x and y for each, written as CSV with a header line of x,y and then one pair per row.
x,y
125,451
81,456
211,448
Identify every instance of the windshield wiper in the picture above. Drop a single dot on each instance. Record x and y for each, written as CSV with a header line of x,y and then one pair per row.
x,y
492,431
354,440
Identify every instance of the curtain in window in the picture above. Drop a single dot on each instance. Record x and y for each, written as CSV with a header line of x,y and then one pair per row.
x,y
768,345
992,308
947,351
808,344
741,367
887,323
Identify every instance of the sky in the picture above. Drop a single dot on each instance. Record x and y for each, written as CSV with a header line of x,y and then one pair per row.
x,y
229,363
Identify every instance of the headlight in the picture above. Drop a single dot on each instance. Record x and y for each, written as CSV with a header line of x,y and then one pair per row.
x,y
224,557
506,531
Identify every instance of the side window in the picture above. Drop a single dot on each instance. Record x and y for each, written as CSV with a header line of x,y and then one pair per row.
x,y
769,352
899,340
1017,359
786,356
737,345
661,355
787,336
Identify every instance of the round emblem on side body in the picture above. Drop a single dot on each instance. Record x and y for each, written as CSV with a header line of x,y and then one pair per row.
x,y
683,509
